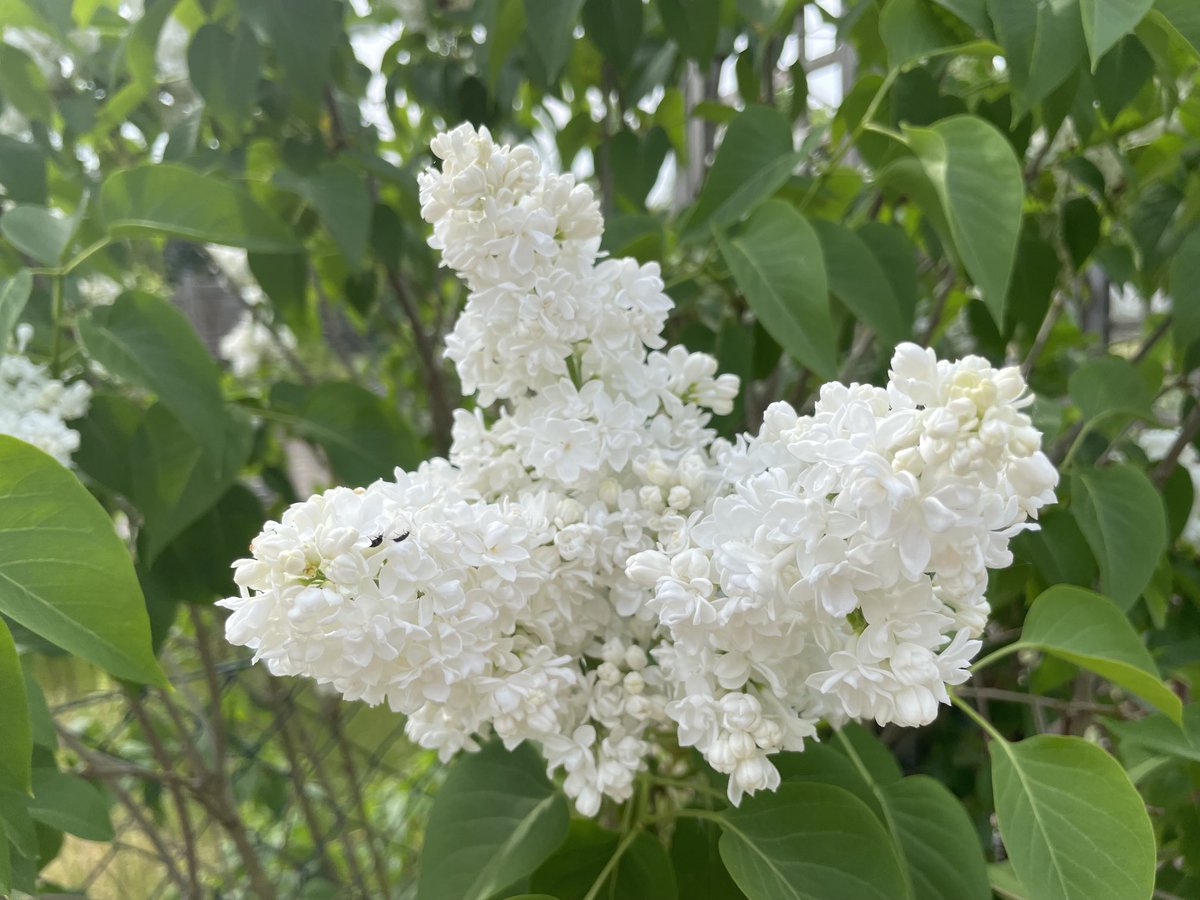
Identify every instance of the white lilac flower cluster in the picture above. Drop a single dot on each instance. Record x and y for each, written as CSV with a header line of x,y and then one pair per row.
x,y
35,407
593,570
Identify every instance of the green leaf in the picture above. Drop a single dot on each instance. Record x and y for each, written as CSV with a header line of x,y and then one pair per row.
x,y
23,85
696,856
777,263
64,573
166,200
1160,735
16,739
937,840
495,820
35,231
70,804
755,158
1004,882
22,171
869,752
339,195
304,35
197,566
823,764
106,441
978,181
1184,17
1072,823
14,294
551,25
362,433
615,27
1107,21
1185,293
809,842
897,256
1089,630
1121,514
910,30
147,342
859,281
693,26
1043,44
15,822
224,67
973,12
643,872
177,481
1109,384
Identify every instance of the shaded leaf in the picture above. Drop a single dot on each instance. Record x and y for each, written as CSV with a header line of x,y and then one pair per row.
x,y
224,67
495,820
1121,514
14,294
551,26
16,738
776,261
168,200
859,281
70,804
64,573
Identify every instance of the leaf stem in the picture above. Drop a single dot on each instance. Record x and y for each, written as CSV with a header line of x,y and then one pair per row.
x,y
610,866
56,306
979,720
995,655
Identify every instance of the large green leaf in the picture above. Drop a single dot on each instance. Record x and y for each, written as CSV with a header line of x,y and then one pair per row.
x,y
938,842
339,194
693,26
177,481
147,342
224,67
1109,384
755,157
14,294
1107,21
22,170
978,181
106,441
304,35
70,804
35,231
1072,823
857,278
64,573
696,856
495,820
896,254
23,85
1089,630
911,30
809,842
1185,293
642,873
973,12
141,43
777,263
551,25
1158,734
16,738
172,201
1184,16
615,27
1122,516
1043,45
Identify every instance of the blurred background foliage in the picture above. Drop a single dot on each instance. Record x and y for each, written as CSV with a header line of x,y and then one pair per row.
x,y
819,181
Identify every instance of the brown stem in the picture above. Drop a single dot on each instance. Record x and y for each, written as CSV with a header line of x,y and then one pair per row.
x,y
435,382
163,758
346,750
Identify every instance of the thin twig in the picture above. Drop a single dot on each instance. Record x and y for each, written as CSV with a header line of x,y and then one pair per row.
x,y
1043,335
435,382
